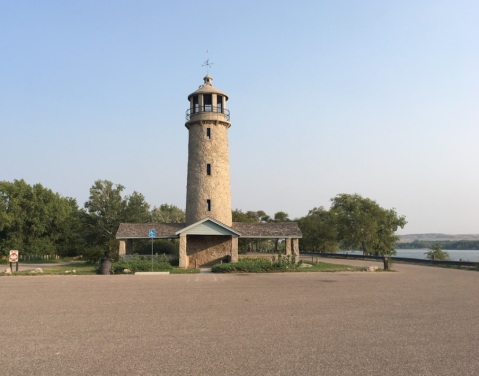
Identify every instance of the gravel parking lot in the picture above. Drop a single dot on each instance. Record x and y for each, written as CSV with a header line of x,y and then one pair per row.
x,y
416,321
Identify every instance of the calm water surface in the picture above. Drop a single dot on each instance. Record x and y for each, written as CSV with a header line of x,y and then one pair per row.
x,y
455,255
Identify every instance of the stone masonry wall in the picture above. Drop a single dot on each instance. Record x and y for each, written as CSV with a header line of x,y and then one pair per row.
x,y
200,186
202,249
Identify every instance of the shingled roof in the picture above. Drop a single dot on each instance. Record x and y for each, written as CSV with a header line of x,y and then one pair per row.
x,y
271,230
268,230
142,230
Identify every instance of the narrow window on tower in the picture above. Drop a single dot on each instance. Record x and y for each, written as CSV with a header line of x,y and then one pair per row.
x,y
196,106
208,133
208,205
208,102
208,169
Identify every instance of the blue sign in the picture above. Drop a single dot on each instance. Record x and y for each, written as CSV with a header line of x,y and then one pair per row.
x,y
152,233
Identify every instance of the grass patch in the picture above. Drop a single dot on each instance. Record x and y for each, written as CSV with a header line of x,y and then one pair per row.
x,y
184,271
81,268
326,267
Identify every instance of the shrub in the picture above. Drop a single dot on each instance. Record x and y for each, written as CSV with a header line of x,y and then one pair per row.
x,y
247,265
437,253
170,247
93,254
141,264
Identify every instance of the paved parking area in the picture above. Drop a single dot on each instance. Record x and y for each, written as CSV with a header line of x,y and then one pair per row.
x,y
417,321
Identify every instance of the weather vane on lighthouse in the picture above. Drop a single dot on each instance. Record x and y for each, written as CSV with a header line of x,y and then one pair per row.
x,y
207,63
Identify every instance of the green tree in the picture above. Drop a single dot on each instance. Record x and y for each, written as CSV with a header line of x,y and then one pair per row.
x,y
168,214
436,253
281,217
105,209
362,224
319,231
33,219
137,209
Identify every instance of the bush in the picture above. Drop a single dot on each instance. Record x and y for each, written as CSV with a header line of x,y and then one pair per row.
x,y
141,264
170,247
93,254
436,253
246,265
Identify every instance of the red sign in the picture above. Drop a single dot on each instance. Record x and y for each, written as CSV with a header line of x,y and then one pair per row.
x,y
13,256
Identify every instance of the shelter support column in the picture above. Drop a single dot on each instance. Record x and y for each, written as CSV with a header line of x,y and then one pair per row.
x,y
129,247
296,248
234,249
122,248
183,262
287,242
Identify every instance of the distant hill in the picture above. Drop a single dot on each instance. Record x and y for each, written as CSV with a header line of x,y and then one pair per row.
x,y
436,237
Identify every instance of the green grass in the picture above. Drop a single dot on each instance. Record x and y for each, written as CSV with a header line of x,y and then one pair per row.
x,y
81,268
326,267
184,271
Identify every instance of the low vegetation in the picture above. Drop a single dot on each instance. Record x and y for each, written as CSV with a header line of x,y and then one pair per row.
x,y
436,253
73,268
282,264
142,264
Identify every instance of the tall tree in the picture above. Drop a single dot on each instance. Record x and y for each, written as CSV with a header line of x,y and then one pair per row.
x,y
105,210
168,214
319,231
363,224
137,210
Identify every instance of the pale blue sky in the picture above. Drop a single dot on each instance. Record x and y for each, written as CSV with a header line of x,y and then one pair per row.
x,y
379,98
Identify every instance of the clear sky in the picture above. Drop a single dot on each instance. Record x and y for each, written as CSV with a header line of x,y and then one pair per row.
x,y
379,98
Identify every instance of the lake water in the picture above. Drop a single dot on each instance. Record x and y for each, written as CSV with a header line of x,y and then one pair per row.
x,y
455,255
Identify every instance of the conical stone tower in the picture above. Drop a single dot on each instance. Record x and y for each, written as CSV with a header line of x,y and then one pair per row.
x,y
208,192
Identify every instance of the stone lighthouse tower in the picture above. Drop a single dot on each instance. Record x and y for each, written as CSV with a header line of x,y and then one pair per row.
x,y
208,236
208,192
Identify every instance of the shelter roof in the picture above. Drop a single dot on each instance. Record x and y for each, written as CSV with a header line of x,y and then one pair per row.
x,y
272,230
142,230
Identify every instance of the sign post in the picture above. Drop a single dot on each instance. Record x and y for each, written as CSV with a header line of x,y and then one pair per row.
x,y
14,259
152,236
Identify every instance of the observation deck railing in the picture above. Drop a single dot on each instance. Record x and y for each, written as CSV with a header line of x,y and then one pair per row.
x,y
207,109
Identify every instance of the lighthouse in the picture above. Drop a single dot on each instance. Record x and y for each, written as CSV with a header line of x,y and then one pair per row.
x,y
208,191
208,235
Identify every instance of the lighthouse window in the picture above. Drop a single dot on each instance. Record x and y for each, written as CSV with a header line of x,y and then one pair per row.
x,y
208,133
208,169
208,102
208,205
219,101
196,106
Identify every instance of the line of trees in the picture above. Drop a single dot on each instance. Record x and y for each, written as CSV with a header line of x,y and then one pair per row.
x,y
38,221
444,244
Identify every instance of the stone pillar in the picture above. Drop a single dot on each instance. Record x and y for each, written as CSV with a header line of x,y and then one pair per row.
x,y
129,247
183,256
288,246
234,249
296,248
122,248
